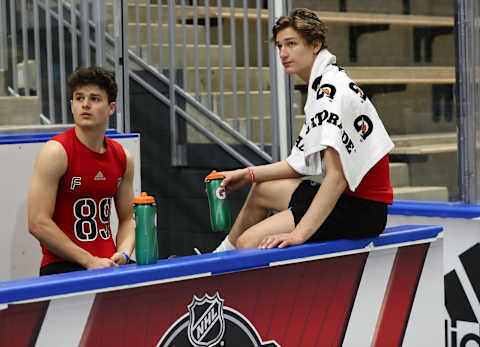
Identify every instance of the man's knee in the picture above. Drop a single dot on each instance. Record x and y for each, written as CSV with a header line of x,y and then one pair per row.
x,y
244,241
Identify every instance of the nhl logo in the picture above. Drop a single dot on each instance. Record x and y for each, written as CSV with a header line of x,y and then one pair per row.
x,y
207,324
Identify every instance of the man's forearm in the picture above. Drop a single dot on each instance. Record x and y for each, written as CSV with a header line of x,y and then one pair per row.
x,y
52,237
275,171
126,236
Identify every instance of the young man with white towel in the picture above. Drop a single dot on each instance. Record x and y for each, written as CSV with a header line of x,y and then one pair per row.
x,y
343,139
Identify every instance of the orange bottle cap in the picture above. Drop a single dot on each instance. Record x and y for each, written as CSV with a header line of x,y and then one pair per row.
x,y
214,175
144,198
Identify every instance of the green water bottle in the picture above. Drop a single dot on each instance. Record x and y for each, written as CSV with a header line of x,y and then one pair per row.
x,y
217,201
146,246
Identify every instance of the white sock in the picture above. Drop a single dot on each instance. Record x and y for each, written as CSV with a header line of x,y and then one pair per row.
x,y
226,245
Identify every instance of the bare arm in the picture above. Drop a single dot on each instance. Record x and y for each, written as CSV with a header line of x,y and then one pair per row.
x,y
322,204
50,165
124,206
238,178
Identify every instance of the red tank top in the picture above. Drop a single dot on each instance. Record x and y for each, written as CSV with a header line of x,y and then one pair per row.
x,y
375,184
84,196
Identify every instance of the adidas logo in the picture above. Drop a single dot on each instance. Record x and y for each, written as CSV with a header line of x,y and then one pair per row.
x,y
462,294
99,176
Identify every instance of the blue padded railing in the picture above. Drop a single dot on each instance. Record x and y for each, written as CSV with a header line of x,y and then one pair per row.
x,y
204,265
434,209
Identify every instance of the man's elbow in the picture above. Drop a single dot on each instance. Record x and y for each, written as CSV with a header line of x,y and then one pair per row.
x,y
35,226
337,179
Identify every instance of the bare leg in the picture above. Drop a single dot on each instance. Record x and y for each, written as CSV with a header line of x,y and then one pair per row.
x,y
263,198
281,222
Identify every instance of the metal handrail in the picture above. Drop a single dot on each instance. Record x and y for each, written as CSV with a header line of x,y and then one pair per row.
x,y
201,108
176,89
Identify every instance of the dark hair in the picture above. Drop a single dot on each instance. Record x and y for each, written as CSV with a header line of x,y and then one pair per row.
x,y
306,22
95,75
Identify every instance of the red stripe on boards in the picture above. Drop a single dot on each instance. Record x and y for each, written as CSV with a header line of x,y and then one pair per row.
x,y
21,323
398,300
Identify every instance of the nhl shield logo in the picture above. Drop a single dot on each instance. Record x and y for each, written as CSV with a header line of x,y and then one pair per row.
x,y
207,324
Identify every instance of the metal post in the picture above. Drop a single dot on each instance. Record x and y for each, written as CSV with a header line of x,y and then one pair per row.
x,y
160,34
184,49
149,32
178,153
234,65
467,98
38,59
74,37
207,45
125,71
137,28
273,86
246,64
221,109
117,36
13,46
195,46
85,33
51,98
283,114
100,33
261,111
26,75
3,36
61,47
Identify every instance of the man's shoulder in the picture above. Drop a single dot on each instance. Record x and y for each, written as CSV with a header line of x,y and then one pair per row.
x,y
53,148
115,145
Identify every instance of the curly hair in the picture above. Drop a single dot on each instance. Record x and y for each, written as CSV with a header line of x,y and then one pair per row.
x,y
305,22
95,75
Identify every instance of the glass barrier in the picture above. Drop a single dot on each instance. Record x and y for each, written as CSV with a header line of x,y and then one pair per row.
x,y
402,54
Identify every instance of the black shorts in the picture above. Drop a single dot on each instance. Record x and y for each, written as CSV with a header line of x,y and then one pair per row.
x,y
351,218
64,266
60,267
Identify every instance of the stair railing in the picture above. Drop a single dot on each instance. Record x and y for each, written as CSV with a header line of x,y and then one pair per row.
x,y
74,33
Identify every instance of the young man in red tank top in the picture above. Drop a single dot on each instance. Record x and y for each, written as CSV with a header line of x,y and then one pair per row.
x,y
76,176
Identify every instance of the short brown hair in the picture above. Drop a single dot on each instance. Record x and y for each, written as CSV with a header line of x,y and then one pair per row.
x,y
95,75
306,22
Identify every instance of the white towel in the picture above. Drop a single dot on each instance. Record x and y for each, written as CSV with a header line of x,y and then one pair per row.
x,y
338,115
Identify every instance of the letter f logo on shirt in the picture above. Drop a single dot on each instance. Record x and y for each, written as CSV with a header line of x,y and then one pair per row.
x,y
76,181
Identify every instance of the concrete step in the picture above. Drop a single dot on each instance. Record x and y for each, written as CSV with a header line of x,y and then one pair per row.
x,y
143,10
241,98
200,54
237,3
431,158
423,144
22,110
164,30
153,10
425,7
426,193
398,75
35,128
228,81
399,175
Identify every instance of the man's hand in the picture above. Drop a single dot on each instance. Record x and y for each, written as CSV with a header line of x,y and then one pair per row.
x,y
235,179
282,240
119,258
99,263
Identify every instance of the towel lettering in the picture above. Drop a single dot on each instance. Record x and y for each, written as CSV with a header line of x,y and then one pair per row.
x,y
330,118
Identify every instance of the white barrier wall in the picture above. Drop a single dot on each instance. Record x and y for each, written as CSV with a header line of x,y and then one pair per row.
x,y
461,259
20,251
